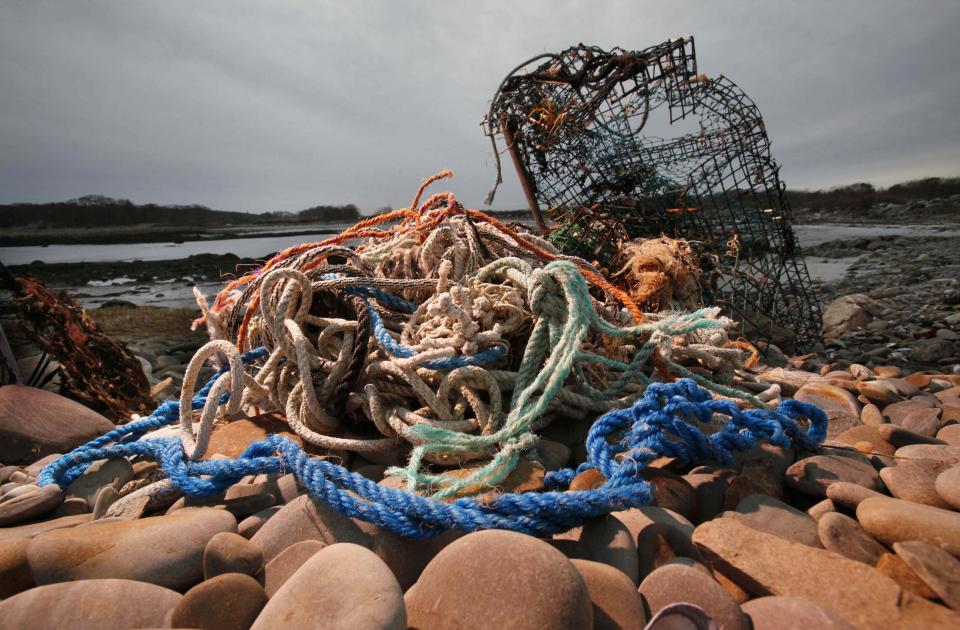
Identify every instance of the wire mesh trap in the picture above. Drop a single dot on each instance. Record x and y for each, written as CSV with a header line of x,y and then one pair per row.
x,y
579,129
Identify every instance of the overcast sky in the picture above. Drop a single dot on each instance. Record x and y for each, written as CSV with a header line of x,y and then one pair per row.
x,y
280,105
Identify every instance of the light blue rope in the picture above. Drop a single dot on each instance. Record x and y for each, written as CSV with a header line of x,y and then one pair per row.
x,y
658,424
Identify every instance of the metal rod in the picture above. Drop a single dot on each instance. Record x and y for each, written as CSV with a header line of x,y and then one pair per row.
x,y
525,181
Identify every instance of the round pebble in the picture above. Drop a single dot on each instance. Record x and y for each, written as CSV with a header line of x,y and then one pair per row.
x,y
228,552
844,535
230,601
616,602
947,485
500,579
675,583
791,613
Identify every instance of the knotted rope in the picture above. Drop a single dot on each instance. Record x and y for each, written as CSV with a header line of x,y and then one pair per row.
x,y
661,423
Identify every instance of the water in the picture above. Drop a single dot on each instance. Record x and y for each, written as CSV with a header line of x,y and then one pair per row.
x,y
179,293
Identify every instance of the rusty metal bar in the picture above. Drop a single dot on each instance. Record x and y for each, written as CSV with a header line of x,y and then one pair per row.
x,y
525,181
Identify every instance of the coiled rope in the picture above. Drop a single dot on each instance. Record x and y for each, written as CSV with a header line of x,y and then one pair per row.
x,y
661,423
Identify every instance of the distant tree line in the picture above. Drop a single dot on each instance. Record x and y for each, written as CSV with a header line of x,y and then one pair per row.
x,y
97,211
862,195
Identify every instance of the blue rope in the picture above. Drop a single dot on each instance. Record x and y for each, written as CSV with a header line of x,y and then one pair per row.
x,y
656,425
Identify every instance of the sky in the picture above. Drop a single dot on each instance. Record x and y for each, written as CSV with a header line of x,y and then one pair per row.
x,y
277,105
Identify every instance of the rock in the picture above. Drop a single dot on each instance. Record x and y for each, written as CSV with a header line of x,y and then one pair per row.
x,y
15,575
950,434
31,530
789,380
672,492
106,472
850,495
616,602
913,480
162,550
27,502
676,583
925,421
899,437
341,586
937,568
233,438
764,564
607,540
35,423
305,518
791,613
766,514
866,437
881,393
230,601
842,407
506,586
896,412
553,455
900,572
105,498
89,605
870,414
252,524
279,570
814,474
932,350
842,534
636,519
71,507
846,314
940,456
947,485
756,477
818,510
711,489
227,552
406,557
660,544
893,520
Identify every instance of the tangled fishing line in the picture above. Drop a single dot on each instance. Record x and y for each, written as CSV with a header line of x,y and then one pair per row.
x,y
452,339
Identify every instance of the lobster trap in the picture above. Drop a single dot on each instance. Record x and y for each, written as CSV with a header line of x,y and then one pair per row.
x,y
580,128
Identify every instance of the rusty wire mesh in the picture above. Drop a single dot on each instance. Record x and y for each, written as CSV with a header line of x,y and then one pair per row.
x,y
578,125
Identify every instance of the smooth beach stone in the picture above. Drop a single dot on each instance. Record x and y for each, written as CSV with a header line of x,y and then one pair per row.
x,y
829,398
776,517
868,436
937,568
675,583
925,421
105,498
230,601
162,550
106,472
233,438
306,518
28,502
900,572
35,423
870,414
711,490
842,534
672,492
660,543
818,510
71,507
814,474
228,552
764,564
342,586
850,495
950,434
499,579
947,485
893,520
89,605
899,437
616,603
279,570
791,613
252,524
609,541
30,530
880,393
938,455
406,557
896,412
755,477
15,574
913,480
638,518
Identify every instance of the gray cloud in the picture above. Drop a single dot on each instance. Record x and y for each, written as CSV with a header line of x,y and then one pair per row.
x,y
266,105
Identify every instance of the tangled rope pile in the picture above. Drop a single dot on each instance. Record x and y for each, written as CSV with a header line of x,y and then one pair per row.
x,y
450,332
658,424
